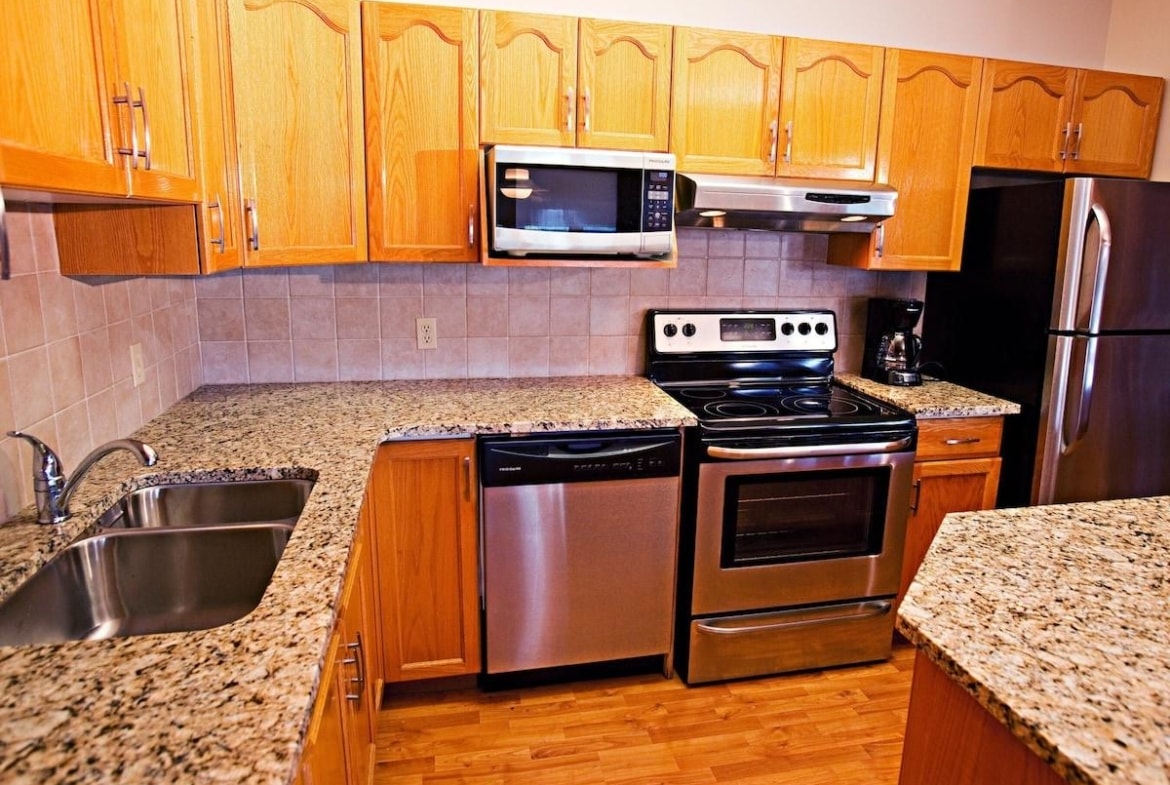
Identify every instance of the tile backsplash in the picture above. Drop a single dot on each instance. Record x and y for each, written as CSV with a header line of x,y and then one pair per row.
x,y
349,322
65,371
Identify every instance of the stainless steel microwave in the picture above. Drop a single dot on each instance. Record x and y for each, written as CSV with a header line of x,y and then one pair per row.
x,y
555,200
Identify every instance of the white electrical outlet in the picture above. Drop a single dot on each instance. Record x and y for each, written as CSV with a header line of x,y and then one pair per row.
x,y
136,366
427,332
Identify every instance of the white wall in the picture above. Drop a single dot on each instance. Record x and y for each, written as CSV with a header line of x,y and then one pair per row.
x,y
1064,32
1139,41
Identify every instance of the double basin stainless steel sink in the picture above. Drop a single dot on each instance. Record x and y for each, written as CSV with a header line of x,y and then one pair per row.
x,y
163,559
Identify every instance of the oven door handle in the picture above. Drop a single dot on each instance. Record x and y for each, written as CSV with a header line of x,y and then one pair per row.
x,y
803,618
817,451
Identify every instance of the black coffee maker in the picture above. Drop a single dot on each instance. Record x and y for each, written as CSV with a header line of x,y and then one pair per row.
x,y
892,350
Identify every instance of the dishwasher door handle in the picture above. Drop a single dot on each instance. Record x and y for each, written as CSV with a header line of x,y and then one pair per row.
x,y
816,451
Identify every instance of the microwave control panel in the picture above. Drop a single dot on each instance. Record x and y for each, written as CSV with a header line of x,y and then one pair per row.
x,y
658,205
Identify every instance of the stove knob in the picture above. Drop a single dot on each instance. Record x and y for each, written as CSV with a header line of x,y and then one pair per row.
x,y
822,328
787,328
688,329
670,331
804,328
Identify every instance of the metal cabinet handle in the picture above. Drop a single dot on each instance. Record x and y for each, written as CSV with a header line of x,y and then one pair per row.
x,y
586,111
570,110
145,127
917,496
470,226
1064,147
252,216
773,133
132,150
215,208
5,251
788,142
880,246
358,661
467,477
964,440
1076,154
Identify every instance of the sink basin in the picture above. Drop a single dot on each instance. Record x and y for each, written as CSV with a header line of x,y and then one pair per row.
x,y
209,503
140,581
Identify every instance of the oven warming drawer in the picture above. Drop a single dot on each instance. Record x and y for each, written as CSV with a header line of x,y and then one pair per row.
x,y
730,647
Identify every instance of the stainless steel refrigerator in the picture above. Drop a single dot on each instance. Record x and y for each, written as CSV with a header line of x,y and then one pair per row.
x,y
1063,306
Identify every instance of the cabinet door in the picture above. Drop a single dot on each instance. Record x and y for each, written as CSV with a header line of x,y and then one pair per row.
x,y
925,146
725,100
356,675
1024,116
942,487
150,70
624,85
422,141
296,65
219,211
829,106
426,535
528,78
325,757
1116,122
55,127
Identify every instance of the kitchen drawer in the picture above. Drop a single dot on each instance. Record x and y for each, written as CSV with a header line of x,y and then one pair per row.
x,y
959,437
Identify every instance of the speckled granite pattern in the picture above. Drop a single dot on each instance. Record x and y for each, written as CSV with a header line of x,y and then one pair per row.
x,y
231,704
933,398
1056,619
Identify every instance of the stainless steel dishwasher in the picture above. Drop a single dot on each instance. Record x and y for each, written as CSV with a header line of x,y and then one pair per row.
x,y
580,533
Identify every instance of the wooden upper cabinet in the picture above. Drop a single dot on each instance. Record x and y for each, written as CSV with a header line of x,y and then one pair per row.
x,y
296,67
528,78
725,101
422,132
624,85
925,147
1024,115
150,81
219,213
87,79
1116,119
830,99
1053,119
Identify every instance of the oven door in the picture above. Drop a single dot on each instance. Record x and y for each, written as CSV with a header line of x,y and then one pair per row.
x,y
793,531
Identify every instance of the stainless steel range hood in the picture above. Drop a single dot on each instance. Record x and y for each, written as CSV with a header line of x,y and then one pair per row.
x,y
790,205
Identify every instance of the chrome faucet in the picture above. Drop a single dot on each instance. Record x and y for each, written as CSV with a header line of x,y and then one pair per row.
x,y
50,486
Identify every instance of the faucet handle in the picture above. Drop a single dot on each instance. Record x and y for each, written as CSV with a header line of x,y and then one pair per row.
x,y
50,465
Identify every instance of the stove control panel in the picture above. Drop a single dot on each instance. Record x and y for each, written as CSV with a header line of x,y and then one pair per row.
x,y
690,332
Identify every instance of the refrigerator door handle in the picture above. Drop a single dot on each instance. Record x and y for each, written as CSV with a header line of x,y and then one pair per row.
x,y
1084,400
1101,268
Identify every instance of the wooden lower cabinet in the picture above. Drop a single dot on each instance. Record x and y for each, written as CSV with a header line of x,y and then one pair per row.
x,y
427,545
956,470
339,748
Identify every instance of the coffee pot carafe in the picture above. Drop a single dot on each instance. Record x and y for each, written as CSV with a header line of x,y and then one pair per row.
x,y
892,351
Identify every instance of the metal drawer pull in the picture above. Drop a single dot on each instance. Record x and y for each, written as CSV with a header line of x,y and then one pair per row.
x,y
215,207
132,150
360,679
865,610
964,440
737,454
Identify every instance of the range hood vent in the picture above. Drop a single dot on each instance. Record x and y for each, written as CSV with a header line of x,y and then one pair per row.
x,y
788,205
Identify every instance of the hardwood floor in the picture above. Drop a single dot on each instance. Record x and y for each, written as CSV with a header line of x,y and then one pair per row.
x,y
842,726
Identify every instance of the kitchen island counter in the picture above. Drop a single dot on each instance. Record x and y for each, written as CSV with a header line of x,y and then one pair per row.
x,y
1055,620
231,704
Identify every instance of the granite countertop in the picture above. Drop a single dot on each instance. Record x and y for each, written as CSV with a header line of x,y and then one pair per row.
x,y
933,398
1056,619
231,704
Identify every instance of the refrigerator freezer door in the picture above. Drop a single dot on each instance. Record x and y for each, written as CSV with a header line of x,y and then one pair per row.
x,y
1107,416
1114,272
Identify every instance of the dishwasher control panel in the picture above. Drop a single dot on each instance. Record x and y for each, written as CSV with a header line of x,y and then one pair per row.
x,y
578,456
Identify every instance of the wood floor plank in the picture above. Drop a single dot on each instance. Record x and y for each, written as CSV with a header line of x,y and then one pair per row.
x,y
842,726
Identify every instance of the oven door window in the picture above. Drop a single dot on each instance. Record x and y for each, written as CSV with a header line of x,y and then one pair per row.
x,y
803,516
